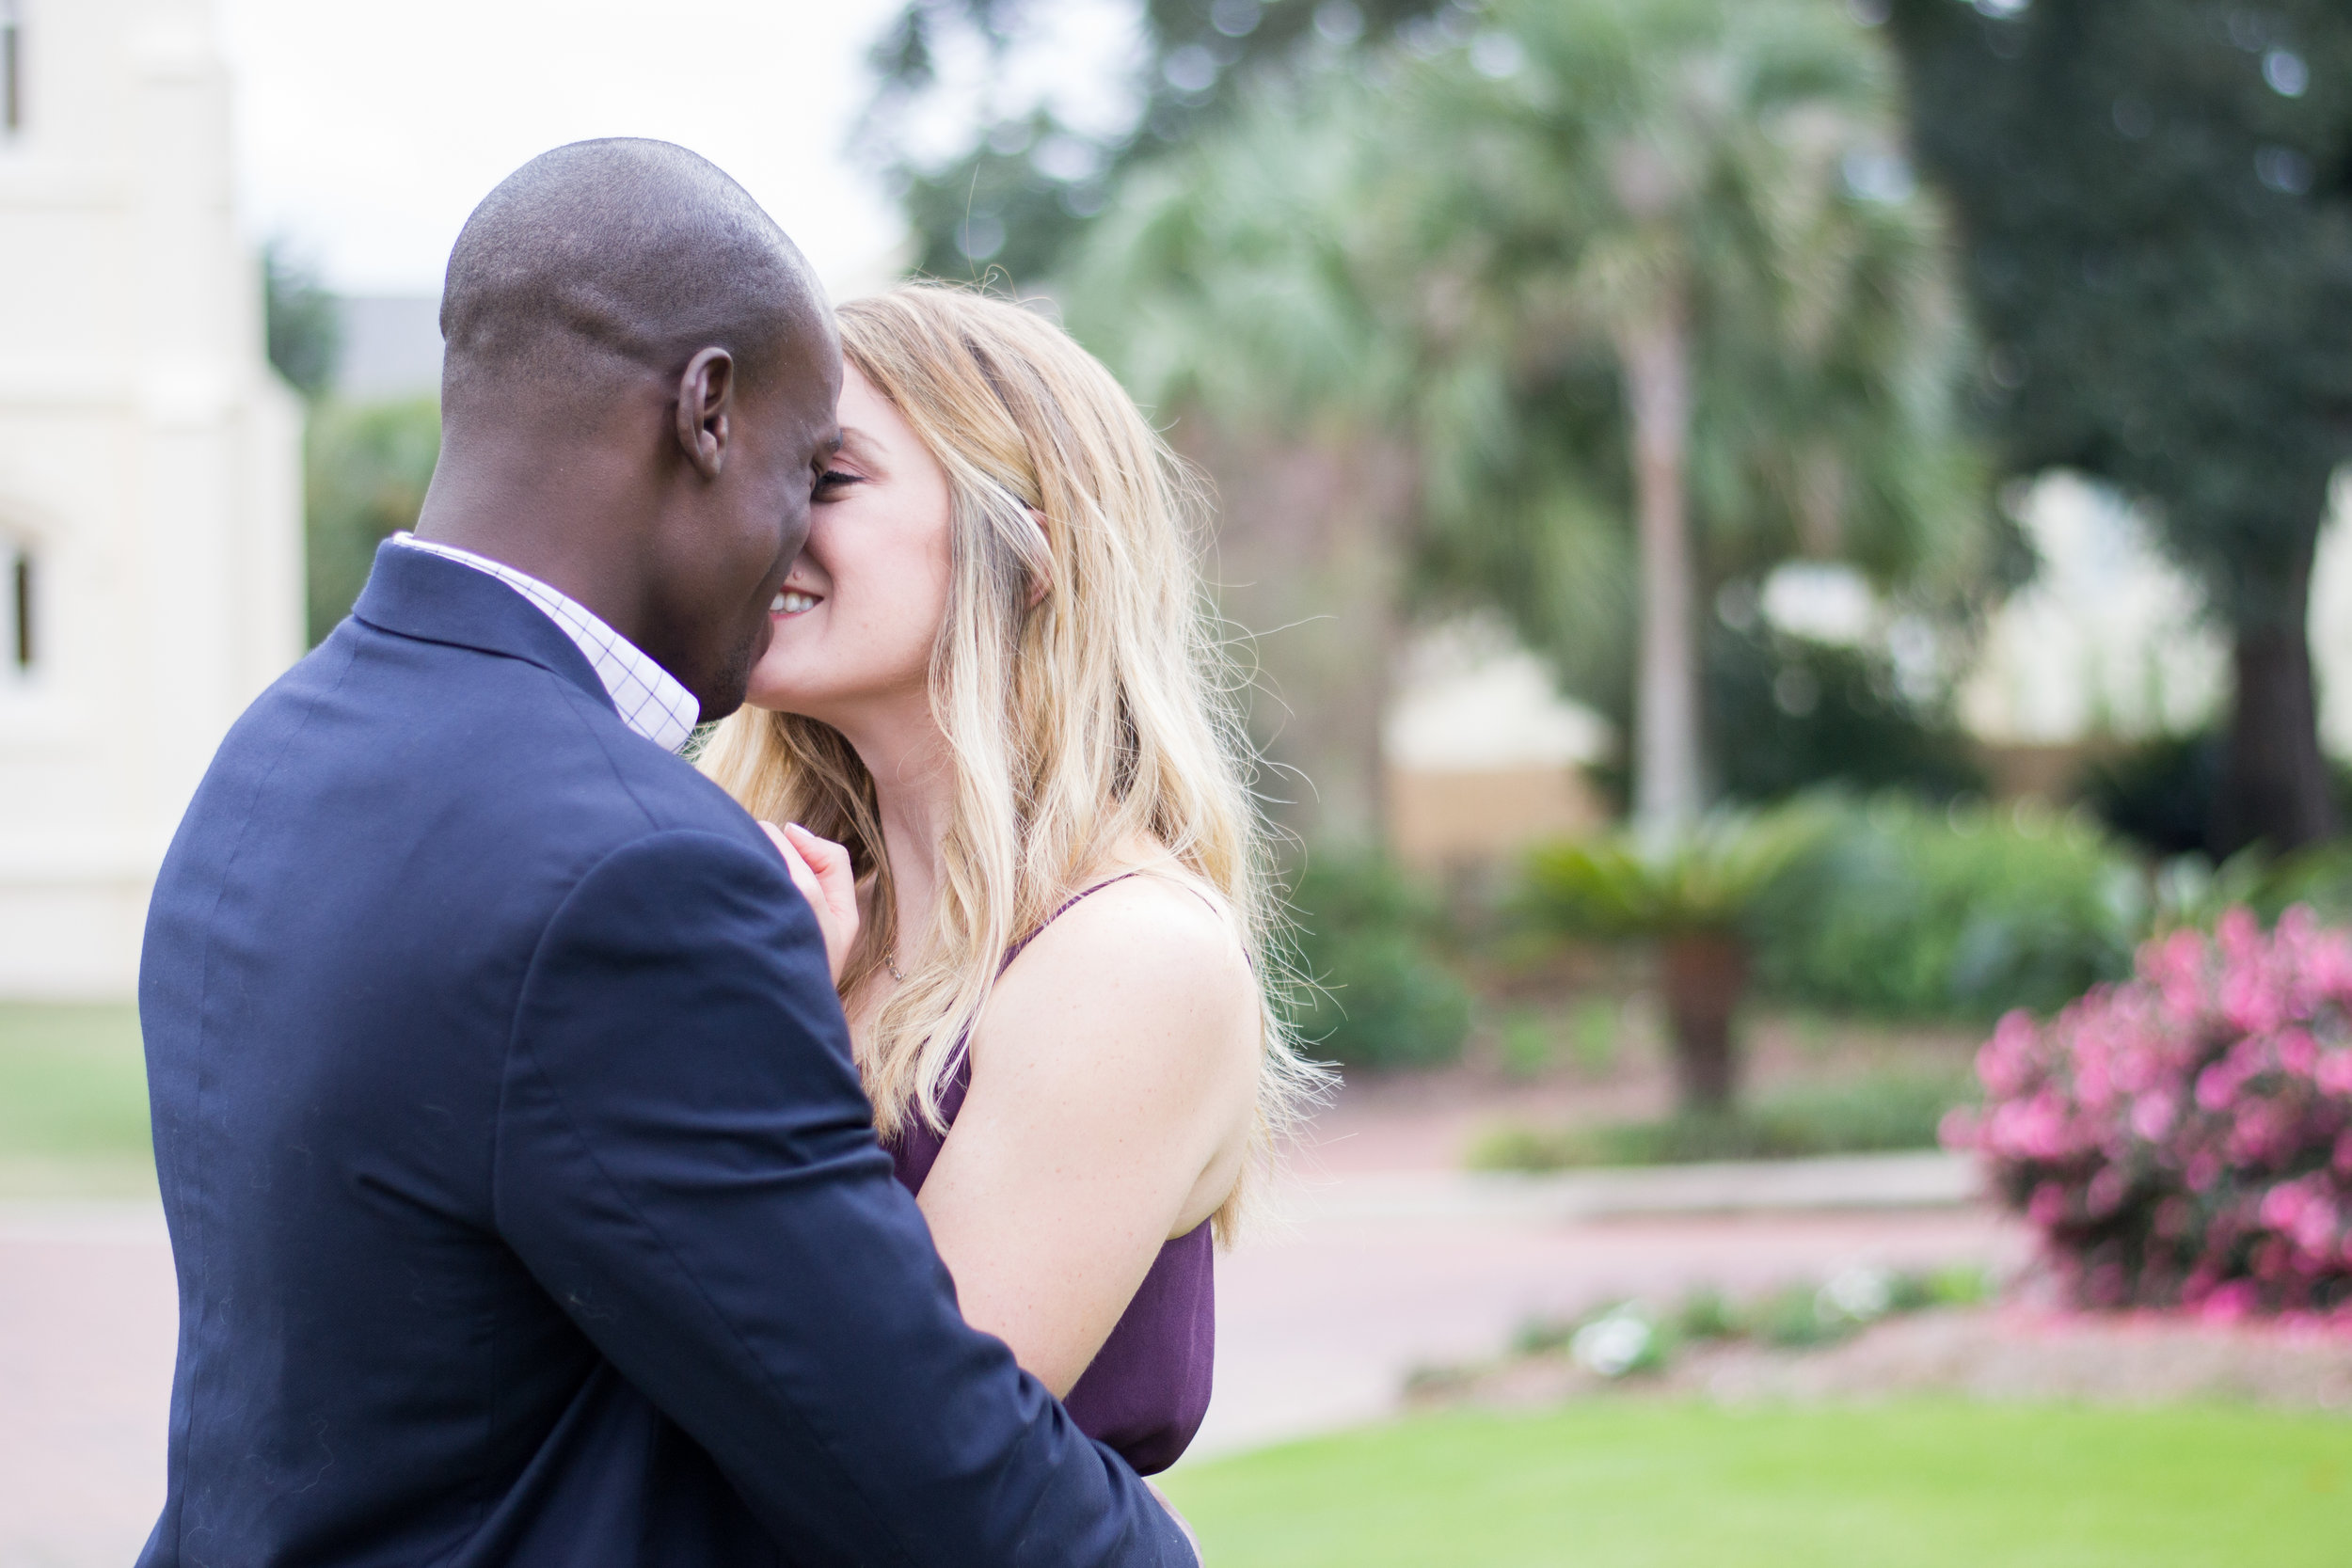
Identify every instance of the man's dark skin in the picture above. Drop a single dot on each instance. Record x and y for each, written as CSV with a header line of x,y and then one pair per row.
x,y
636,399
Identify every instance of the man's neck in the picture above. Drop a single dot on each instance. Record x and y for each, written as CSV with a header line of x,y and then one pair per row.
x,y
551,516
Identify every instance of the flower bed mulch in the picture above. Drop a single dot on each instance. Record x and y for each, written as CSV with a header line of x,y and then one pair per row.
x,y
2005,1354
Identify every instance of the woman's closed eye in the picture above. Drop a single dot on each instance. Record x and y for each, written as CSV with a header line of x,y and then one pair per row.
x,y
833,481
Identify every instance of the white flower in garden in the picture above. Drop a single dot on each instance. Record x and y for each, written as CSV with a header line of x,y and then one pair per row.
x,y
1859,1295
1615,1343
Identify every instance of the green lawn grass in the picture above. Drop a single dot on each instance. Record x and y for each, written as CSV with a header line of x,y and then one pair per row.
x,y
1626,1483
72,1102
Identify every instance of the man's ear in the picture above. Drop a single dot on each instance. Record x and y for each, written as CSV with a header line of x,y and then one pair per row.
x,y
705,394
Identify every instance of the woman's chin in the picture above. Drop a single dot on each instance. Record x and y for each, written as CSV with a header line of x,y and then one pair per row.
x,y
771,691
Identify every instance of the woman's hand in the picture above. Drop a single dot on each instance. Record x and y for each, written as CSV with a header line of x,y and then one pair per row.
x,y
820,869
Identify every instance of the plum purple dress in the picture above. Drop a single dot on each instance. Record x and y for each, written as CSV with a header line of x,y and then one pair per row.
x,y
1147,1389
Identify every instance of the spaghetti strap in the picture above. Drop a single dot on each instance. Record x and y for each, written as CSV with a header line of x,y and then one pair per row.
x,y
1071,903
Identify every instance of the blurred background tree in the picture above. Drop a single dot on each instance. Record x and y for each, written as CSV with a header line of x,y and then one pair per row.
x,y
303,330
2156,200
1592,264
1021,174
1708,194
364,465
365,468
1252,291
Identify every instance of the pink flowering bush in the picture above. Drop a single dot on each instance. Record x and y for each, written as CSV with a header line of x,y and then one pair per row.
x,y
2183,1138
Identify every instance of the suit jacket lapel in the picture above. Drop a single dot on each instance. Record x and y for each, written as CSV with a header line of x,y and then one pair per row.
x,y
420,594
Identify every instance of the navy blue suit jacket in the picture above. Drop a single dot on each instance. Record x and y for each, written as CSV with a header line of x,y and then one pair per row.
x,y
526,1206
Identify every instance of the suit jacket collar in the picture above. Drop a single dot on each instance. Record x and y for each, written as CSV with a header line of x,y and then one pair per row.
x,y
435,600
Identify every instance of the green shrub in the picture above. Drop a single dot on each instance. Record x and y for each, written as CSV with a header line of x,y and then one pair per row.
x,y
1527,1045
365,468
1792,1319
2159,792
1622,886
1706,1313
1787,714
1965,912
1378,996
1880,1112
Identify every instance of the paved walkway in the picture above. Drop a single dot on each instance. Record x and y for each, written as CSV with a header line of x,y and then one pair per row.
x,y
1373,1273
88,1319
1320,1322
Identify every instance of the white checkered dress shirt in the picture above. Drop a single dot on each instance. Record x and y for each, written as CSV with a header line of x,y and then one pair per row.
x,y
649,700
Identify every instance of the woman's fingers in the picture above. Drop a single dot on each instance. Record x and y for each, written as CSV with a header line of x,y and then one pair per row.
x,y
819,877
804,875
829,862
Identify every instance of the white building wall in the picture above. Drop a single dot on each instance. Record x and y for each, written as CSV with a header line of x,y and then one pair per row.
x,y
2110,639
2331,624
149,462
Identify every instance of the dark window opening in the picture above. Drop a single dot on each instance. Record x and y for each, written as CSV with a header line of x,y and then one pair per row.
x,y
22,586
11,69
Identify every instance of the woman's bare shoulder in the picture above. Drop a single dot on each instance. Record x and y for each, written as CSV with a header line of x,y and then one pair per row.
x,y
1158,914
1144,962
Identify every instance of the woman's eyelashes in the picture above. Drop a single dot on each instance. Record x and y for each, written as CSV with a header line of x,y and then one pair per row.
x,y
833,480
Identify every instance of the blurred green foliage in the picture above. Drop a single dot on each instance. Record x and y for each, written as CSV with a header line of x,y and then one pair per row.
x,y
303,330
2156,203
2159,792
1378,994
1797,1315
1526,1044
1867,1113
1907,910
1596,1035
365,468
1029,177
1625,886
2190,890
1787,714
1442,257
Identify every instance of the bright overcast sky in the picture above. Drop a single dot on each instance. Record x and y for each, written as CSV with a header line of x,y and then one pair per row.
x,y
366,133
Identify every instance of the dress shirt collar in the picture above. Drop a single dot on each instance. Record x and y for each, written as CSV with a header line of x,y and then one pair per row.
x,y
647,697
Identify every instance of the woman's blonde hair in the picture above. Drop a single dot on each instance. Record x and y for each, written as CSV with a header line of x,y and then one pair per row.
x,y
1101,712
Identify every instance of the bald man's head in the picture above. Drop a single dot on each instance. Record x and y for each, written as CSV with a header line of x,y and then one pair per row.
x,y
636,399
600,262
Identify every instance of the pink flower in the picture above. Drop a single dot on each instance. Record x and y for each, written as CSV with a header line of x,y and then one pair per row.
x,y
2231,1303
2196,1121
2332,1075
2152,1117
2297,1053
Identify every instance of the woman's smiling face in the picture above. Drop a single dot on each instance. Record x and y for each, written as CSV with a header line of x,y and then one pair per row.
x,y
862,607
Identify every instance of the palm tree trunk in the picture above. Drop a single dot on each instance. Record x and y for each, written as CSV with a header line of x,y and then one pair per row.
x,y
1704,974
2274,787
1654,353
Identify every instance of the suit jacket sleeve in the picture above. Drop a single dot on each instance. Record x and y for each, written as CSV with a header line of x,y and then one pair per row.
x,y
687,1163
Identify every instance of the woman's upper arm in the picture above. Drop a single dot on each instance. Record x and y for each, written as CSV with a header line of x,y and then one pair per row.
x,y
1114,1081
